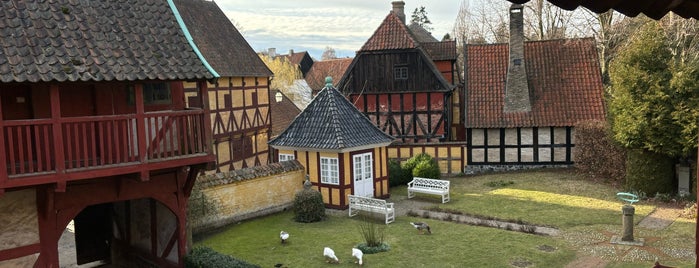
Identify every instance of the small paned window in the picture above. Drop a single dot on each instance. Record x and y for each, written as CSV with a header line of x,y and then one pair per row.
x,y
400,73
329,171
286,157
153,93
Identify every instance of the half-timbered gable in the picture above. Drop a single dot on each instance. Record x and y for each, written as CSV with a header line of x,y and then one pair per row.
x,y
239,99
397,83
342,151
95,130
522,106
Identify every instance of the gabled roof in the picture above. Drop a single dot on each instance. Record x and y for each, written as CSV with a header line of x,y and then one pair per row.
x,y
391,34
96,40
334,68
565,84
219,41
445,50
331,123
283,112
295,57
421,34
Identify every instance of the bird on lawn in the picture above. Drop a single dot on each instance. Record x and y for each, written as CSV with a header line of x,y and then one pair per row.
x,y
284,236
357,254
330,255
421,227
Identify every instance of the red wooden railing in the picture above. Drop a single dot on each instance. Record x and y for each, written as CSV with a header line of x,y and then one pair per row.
x,y
104,141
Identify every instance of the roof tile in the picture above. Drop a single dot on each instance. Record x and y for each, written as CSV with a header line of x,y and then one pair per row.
x,y
68,41
330,122
565,84
224,47
391,34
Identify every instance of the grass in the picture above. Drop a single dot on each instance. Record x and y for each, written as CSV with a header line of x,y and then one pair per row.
x,y
450,245
552,198
585,212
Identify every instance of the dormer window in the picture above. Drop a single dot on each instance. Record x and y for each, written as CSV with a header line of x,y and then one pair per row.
x,y
400,72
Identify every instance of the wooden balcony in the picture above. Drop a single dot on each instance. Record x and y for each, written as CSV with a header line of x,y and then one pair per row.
x,y
40,151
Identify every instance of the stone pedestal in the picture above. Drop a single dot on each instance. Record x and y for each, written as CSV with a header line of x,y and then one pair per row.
x,y
627,221
627,212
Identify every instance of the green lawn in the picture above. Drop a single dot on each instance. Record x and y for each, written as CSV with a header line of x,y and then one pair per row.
x,y
586,213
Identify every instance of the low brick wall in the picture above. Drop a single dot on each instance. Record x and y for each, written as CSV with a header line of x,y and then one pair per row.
x,y
247,193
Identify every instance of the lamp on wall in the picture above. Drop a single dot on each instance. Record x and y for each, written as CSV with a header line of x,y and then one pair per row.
x,y
278,96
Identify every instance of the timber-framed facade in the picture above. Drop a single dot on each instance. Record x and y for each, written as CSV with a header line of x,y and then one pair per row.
x,y
402,79
240,98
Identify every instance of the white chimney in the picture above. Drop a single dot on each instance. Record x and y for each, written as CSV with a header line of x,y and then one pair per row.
x,y
399,9
272,52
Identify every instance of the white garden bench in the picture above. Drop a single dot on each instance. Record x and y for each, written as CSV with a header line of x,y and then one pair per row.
x,y
429,186
357,203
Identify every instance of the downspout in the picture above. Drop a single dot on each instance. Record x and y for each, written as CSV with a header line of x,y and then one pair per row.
x,y
190,39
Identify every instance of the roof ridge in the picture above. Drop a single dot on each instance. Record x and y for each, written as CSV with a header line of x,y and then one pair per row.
x,y
386,37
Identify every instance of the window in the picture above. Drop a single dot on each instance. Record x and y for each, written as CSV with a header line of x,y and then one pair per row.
x,y
286,157
329,171
400,73
153,93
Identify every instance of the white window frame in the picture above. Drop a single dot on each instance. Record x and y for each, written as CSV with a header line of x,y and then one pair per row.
x,y
329,170
286,157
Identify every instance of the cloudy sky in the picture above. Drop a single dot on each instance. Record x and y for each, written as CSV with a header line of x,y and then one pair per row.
x,y
313,25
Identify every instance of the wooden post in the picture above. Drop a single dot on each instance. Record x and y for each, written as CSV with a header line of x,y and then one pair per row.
x,y
204,95
3,155
58,156
141,129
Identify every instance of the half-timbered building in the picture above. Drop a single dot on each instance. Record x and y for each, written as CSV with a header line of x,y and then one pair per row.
x,y
523,99
342,151
239,100
94,129
403,79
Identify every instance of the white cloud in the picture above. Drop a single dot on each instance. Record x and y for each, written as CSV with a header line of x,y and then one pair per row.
x,y
312,25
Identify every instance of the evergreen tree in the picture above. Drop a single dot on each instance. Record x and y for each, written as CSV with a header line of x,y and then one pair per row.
x,y
420,17
653,103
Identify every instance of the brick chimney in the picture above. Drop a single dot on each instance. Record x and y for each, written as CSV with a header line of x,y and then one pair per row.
x,y
399,9
516,87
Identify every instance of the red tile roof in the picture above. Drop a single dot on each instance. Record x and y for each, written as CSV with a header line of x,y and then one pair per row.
x,y
334,68
565,84
445,50
283,112
391,34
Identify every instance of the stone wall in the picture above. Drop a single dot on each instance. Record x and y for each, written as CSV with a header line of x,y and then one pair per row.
x,y
246,193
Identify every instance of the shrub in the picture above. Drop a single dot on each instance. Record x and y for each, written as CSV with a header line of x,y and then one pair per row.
x,y
421,165
649,172
397,175
204,257
308,206
427,169
596,154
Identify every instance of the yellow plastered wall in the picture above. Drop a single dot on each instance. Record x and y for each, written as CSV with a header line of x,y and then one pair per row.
x,y
240,198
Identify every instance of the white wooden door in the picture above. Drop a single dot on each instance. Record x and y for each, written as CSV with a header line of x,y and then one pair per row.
x,y
363,175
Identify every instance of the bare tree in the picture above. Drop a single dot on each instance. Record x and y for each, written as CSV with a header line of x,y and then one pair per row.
x,y
328,54
682,36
